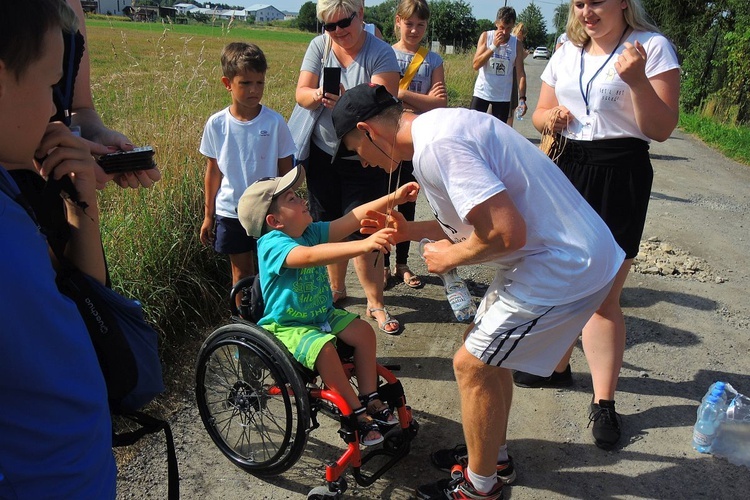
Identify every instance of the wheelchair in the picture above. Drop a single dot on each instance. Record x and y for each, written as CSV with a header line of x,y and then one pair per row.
x,y
258,404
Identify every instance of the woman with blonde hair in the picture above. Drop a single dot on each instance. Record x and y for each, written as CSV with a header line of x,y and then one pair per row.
x,y
623,93
336,185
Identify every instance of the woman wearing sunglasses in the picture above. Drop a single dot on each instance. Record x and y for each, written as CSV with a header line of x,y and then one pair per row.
x,y
335,187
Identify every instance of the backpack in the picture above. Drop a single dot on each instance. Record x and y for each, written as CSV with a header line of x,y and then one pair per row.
x,y
252,305
125,345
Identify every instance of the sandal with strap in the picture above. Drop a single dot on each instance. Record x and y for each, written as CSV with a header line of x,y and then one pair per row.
x,y
369,432
338,295
380,413
389,320
412,281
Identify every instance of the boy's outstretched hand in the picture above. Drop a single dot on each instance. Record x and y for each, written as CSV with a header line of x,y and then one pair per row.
x,y
406,193
380,241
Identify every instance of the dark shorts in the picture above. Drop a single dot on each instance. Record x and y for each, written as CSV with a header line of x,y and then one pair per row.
x,y
231,237
500,110
335,189
615,177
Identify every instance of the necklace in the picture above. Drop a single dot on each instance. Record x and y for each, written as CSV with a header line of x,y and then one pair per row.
x,y
585,94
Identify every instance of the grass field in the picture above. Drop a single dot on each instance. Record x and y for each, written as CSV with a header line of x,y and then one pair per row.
x,y
158,84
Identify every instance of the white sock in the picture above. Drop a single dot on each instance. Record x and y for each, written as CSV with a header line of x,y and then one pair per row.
x,y
481,483
502,455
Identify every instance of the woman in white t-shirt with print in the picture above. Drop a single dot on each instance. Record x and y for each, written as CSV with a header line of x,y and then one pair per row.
x,y
610,90
420,91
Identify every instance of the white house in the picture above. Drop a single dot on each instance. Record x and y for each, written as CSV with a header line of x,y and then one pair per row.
x,y
222,14
184,8
264,13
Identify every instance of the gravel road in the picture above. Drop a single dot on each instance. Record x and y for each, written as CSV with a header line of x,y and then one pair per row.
x,y
687,318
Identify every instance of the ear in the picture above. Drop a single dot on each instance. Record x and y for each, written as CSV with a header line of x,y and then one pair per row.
x,y
227,82
273,222
365,128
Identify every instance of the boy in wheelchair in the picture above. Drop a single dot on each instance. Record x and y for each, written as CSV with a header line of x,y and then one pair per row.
x,y
292,254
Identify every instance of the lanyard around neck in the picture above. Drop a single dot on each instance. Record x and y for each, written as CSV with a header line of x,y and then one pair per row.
x,y
585,94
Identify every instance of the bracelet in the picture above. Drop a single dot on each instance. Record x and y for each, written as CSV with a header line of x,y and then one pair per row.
x,y
523,97
493,47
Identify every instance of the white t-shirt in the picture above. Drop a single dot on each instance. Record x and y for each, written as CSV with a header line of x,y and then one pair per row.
x,y
462,158
245,152
495,79
422,81
611,113
373,58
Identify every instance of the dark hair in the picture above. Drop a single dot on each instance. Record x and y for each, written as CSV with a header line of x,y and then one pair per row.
x,y
507,15
23,26
238,57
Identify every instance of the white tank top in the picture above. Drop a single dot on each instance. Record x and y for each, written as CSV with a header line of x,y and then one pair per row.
x,y
495,80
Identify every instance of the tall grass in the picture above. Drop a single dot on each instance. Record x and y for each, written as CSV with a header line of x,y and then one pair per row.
x,y
730,140
158,83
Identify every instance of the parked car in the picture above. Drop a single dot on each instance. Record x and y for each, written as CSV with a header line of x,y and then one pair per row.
x,y
541,52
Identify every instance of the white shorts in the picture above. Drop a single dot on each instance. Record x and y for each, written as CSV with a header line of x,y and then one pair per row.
x,y
513,334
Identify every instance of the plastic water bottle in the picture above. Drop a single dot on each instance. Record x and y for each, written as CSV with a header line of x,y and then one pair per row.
x,y
739,409
718,389
520,110
707,424
456,292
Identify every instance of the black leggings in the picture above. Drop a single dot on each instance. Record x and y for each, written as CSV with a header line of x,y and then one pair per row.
x,y
500,110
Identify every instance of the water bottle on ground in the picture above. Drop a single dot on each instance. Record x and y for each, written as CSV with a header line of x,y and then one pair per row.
x,y
456,292
738,409
707,424
718,389
733,439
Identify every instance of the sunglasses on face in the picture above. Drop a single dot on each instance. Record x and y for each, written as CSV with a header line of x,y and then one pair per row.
x,y
341,23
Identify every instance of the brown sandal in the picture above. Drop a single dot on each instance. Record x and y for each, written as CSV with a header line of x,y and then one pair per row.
x,y
410,279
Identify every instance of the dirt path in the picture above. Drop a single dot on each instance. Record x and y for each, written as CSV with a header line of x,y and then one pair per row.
x,y
684,332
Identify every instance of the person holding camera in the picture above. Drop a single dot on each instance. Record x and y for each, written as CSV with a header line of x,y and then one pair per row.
x,y
335,187
55,424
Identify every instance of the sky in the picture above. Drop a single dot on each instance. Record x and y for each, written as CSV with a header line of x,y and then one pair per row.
x,y
482,9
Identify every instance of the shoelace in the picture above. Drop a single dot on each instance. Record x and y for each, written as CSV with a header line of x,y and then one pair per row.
x,y
608,414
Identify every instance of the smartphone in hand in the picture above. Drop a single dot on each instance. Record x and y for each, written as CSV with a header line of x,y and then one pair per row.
x,y
331,80
127,161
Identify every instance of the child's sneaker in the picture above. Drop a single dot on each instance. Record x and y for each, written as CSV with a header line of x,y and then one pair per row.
x,y
457,487
447,458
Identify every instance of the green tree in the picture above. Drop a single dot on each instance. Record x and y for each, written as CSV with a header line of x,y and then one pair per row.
x,y
452,23
307,19
485,25
713,40
560,18
532,17
383,15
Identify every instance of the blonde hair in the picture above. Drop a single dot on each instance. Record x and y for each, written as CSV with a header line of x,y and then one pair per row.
x,y
521,29
324,8
635,17
409,8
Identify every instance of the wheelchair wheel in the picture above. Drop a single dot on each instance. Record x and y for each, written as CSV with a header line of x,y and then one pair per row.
x,y
251,399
